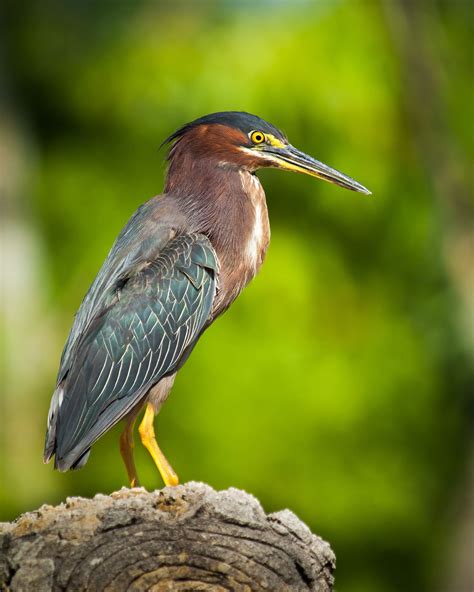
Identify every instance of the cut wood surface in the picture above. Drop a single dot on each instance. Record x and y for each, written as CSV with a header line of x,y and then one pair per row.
x,y
188,537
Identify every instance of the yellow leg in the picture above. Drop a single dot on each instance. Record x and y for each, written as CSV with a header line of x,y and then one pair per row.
x,y
147,435
127,445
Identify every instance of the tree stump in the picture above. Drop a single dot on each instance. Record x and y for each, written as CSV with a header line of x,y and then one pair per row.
x,y
188,537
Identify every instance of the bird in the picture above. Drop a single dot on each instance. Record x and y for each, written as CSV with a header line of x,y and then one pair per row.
x,y
179,263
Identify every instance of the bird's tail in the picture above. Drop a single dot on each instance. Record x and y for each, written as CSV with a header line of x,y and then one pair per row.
x,y
50,440
50,445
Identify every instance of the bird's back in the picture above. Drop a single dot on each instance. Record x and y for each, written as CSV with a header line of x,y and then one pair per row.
x,y
145,310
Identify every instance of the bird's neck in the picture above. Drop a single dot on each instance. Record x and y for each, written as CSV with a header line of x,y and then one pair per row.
x,y
228,205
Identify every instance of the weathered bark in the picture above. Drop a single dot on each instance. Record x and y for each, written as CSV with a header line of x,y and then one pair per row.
x,y
185,538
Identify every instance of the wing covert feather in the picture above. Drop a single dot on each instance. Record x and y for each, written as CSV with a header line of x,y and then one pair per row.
x,y
141,239
153,320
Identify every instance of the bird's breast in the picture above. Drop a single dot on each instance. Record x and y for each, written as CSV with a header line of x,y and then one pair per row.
x,y
257,240
247,242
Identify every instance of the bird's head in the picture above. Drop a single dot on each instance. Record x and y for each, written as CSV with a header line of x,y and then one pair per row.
x,y
241,140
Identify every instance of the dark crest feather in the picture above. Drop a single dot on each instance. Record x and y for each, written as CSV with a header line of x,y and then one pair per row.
x,y
246,122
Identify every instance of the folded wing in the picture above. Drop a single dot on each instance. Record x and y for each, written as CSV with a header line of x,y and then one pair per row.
x,y
152,315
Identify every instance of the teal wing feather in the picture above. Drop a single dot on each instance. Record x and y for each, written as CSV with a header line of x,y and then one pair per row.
x,y
141,240
152,318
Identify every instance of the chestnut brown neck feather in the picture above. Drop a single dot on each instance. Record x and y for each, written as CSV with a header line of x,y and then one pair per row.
x,y
221,198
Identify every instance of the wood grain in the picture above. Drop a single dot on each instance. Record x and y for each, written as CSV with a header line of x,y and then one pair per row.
x,y
188,537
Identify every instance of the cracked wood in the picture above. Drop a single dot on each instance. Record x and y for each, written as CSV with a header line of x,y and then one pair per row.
x,y
188,537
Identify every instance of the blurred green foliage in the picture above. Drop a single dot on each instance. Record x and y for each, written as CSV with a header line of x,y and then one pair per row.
x,y
337,384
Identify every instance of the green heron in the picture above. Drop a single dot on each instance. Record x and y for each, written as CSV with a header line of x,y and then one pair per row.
x,y
180,262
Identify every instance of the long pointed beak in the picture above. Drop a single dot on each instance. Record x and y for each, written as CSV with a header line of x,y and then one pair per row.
x,y
291,159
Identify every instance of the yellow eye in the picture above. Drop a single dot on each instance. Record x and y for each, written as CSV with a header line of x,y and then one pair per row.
x,y
257,137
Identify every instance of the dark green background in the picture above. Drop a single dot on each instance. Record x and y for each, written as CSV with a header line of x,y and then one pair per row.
x,y
338,384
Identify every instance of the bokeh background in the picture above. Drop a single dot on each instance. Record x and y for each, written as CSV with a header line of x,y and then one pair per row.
x,y
338,385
